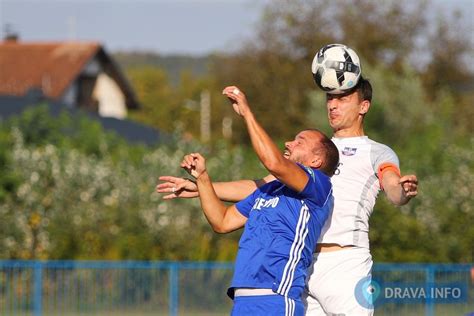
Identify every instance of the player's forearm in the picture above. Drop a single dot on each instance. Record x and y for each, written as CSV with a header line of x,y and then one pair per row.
x,y
234,191
264,147
396,195
393,190
213,208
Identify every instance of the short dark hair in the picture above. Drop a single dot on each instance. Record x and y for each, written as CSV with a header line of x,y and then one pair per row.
x,y
331,154
364,89
331,162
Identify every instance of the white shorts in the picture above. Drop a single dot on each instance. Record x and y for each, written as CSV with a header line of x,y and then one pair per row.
x,y
332,279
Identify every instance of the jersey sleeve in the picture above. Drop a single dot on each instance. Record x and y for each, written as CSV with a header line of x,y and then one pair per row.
x,y
318,187
245,206
383,155
384,159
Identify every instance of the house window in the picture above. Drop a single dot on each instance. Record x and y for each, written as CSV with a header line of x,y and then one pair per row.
x,y
85,98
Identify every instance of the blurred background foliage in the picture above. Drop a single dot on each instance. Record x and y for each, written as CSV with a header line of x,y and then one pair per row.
x,y
69,190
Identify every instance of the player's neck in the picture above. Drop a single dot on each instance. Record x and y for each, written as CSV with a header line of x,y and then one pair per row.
x,y
354,131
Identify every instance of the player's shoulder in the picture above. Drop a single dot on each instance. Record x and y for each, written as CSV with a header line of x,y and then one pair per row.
x,y
314,173
319,186
350,145
379,147
380,153
269,186
310,171
375,143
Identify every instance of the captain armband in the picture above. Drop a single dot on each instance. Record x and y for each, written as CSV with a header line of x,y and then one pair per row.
x,y
388,166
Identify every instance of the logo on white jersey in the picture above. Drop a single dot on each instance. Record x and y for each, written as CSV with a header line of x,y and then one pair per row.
x,y
348,151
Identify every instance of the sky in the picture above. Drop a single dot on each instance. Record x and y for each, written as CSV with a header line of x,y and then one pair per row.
x,y
180,26
194,27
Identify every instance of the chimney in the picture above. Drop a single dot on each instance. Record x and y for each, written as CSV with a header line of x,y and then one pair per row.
x,y
10,35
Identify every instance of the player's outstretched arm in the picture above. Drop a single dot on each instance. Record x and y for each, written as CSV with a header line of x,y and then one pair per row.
x,y
175,187
235,191
399,189
272,158
232,191
222,218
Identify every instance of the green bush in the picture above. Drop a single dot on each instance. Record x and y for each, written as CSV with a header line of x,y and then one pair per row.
x,y
75,191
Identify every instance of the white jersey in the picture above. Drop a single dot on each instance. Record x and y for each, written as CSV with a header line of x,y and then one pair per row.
x,y
355,189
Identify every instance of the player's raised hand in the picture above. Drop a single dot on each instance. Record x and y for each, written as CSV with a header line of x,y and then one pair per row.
x,y
177,188
409,184
238,100
194,164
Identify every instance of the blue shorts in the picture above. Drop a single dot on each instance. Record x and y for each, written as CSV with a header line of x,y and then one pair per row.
x,y
265,305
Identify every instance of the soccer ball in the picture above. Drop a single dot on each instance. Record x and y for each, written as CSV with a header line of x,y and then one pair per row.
x,y
336,68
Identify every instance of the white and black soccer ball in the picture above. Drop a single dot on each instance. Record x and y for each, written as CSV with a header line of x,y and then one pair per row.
x,y
336,68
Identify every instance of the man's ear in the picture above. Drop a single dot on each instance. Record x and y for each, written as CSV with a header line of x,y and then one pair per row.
x,y
316,162
364,107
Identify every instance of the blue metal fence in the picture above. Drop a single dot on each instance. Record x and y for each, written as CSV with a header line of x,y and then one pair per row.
x,y
123,288
428,274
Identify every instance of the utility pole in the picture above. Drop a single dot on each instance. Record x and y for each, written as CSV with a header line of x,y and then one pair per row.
x,y
205,116
227,127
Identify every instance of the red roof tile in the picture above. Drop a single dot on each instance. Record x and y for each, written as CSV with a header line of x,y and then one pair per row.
x,y
50,67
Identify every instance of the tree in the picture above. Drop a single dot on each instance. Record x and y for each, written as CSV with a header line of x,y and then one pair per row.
x,y
160,107
274,66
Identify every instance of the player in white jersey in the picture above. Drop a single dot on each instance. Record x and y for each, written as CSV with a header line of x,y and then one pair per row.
x,y
342,257
335,274
282,219
357,185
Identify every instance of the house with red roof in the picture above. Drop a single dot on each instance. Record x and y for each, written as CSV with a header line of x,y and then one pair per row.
x,y
77,74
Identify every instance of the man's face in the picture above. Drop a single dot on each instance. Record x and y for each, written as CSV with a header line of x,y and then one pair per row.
x,y
344,110
301,149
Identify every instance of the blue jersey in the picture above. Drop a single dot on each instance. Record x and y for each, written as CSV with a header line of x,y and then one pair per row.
x,y
280,235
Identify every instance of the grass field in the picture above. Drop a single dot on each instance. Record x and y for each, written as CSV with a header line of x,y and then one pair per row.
x,y
405,310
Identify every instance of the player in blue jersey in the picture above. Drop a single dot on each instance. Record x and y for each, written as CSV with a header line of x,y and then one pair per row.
x,y
282,219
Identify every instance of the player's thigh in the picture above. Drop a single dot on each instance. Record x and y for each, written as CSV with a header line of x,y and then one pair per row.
x,y
333,282
312,306
265,305
337,298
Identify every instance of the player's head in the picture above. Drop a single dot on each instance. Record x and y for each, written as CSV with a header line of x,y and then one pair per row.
x,y
348,110
313,149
